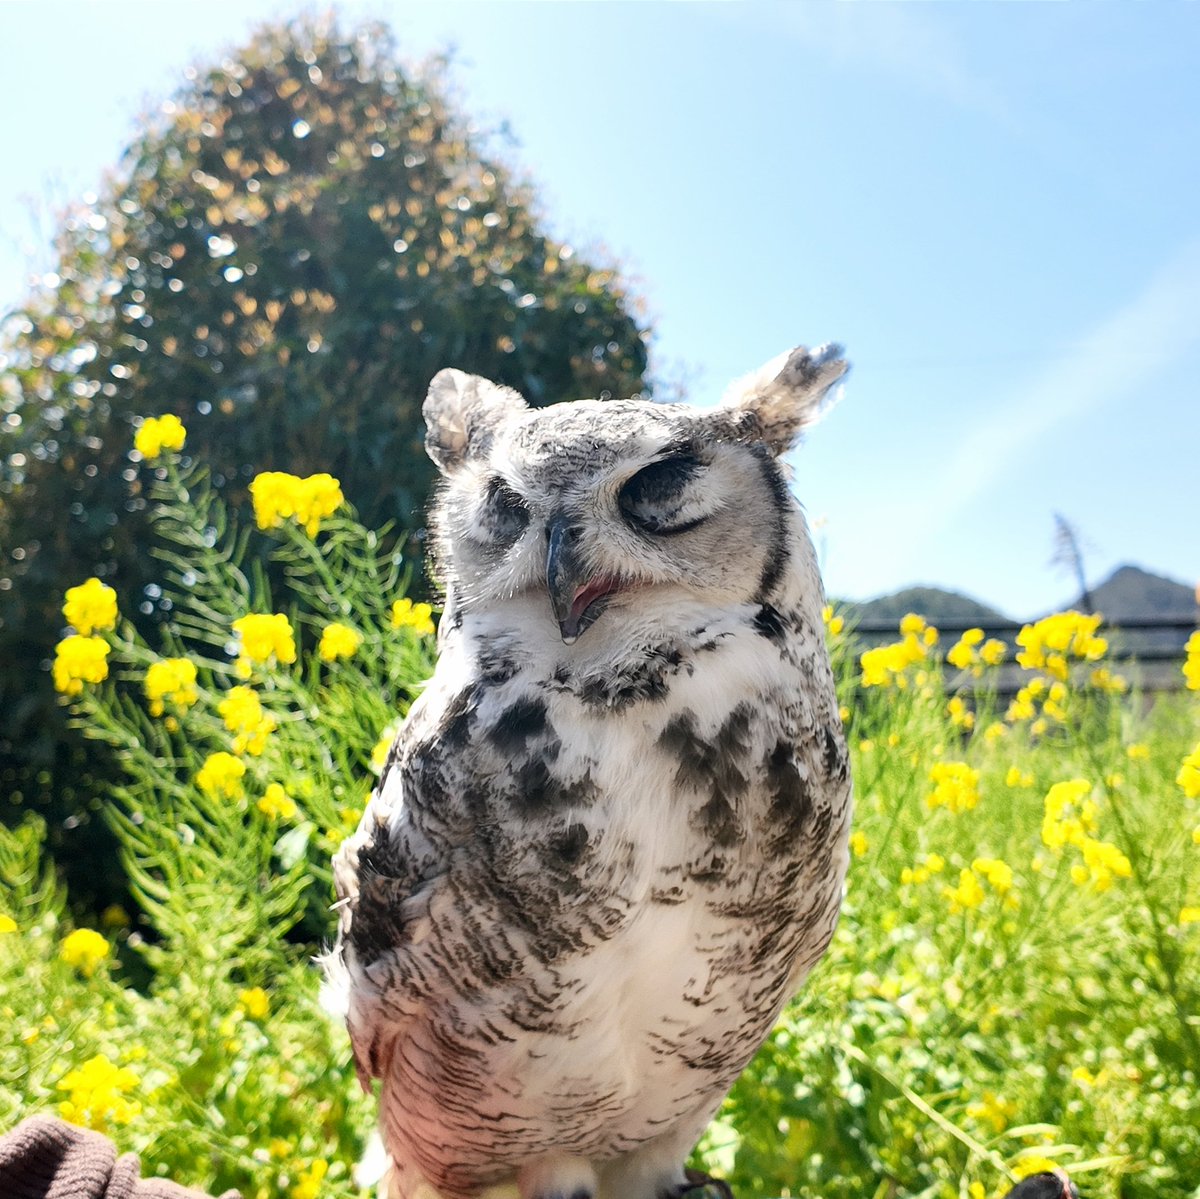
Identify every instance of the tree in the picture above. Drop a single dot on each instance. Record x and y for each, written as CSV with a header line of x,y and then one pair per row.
x,y
296,243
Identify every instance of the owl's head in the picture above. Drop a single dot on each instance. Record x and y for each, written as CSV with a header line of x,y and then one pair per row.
x,y
591,504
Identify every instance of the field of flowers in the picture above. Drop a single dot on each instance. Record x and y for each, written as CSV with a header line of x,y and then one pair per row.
x,y
1015,980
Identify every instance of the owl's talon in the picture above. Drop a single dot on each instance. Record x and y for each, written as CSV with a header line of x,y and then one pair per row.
x,y
704,1186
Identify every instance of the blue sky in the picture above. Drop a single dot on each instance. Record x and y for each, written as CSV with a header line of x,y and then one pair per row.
x,y
995,207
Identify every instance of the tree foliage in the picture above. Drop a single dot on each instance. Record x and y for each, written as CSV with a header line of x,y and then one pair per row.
x,y
294,245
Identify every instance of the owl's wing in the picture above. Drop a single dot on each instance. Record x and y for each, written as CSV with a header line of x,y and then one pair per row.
x,y
386,877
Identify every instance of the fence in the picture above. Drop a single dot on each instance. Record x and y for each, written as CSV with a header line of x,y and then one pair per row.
x,y
1149,650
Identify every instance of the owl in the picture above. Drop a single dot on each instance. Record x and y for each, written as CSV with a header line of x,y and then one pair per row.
x,y
610,839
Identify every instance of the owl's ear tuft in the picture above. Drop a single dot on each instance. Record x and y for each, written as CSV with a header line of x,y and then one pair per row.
x,y
462,413
788,394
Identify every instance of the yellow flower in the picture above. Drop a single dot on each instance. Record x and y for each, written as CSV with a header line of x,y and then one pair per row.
x,y
417,617
84,949
158,433
114,916
1034,1164
995,731
96,1094
7,924
1189,774
955,787
858,842
1103,679
276,803
998,873
309,1184
279,496
835,624
960,715
933,864
255,1002
993,1109
1138,752
263,635
79,660
171,679
1103,863
243,715
91,607
1049,643
888,664
383,746
1189,915
338,641
220,775
1191,667
992,652
1068,816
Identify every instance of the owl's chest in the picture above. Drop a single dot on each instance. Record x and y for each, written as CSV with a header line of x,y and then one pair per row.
x,y
682,765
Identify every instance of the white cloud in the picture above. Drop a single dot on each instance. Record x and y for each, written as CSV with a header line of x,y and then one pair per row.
x,y
908,42
1114,361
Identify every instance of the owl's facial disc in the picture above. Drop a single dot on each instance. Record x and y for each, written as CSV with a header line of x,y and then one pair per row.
x,y
576,596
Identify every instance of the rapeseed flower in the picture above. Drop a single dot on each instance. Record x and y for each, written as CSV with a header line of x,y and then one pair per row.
x,y
338,641
84,949
992,652
858,843
276,803
932,864
7,924
417,617
1049,644
1189,914
968,894
998,873
1069,815
1189,774
1102,864
1035,1163
1103,679
91,607
96,1094
255,1002
379,755
263,636
242,712
1191,666
993,1109
279,496
172,679
963,654
955,787
309,1184
834,624
221,775
79,660
158,433
960,715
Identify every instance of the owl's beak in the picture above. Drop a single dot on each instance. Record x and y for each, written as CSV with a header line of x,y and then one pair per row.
x,y
576,596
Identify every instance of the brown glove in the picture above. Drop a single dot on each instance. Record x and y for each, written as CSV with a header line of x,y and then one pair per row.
x,y
46,1159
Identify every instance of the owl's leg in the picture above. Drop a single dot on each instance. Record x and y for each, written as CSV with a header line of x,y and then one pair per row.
x,y
557,1176
655,1169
